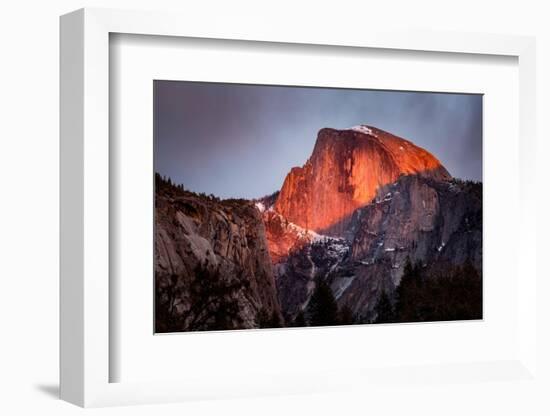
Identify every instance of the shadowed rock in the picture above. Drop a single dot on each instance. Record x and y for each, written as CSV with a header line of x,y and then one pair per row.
x,y
344,172
202,237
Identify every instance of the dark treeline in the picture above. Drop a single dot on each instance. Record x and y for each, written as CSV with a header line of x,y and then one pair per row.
x,y
452,294
469,186
456,295
420,297
321,310
211,300
164,184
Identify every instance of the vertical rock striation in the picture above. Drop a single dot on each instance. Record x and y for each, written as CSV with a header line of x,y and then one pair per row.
x,y
373,200
344,172
224,244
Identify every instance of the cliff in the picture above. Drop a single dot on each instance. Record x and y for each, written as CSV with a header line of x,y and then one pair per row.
x,y
366,207
212,268
436,224
344,172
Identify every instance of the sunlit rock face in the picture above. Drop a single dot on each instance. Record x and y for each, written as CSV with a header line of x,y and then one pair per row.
x,y
437,224
344,172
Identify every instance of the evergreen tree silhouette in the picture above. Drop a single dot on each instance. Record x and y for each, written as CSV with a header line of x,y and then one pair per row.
x,y
384,310
322,309
211,298
408,294
454,293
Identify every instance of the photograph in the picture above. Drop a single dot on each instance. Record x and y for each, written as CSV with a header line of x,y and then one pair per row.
x,y
290,206
244,208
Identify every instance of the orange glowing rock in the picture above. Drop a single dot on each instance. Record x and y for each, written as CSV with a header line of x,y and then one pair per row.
x,y
344,172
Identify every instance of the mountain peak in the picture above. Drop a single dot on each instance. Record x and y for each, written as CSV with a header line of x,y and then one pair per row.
x,y
344,173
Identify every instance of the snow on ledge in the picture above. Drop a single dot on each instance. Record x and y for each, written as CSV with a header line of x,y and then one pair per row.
x,y
363,129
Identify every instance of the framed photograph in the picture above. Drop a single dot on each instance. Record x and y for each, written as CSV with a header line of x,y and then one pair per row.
x,y
270,212
371,228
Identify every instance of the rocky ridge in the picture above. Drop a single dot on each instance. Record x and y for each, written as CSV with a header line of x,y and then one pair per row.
x,y
200,237
364,204
410,208
344,173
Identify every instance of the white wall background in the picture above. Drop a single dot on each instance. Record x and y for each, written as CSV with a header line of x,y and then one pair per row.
x,y
29,205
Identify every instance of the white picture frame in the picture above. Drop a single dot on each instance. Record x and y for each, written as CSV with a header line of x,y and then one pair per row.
x,y
85,355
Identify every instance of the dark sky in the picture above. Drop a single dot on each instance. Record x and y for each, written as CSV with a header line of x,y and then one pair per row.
x,y
241,140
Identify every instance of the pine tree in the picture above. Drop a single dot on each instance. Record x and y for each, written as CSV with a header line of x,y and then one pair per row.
x,y
213,304
384,310
453,293
322,309
408,294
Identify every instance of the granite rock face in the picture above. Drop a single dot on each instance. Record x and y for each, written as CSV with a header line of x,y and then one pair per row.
x,y
435,223
344,172
351,216
222,240
373,200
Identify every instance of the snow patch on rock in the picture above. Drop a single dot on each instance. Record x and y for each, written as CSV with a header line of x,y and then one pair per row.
x,y
363,129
